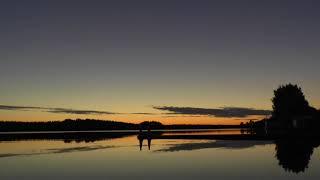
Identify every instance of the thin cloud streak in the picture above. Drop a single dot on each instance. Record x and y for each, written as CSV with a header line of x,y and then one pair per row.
x,y
226,112
142,113
15,108
54,110
72,111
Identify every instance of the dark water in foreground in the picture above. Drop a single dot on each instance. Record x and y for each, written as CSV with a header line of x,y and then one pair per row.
x,y
120,157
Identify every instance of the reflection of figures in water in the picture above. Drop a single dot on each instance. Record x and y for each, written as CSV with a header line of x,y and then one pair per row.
x,y
149,137
140,142
140,137
294,154
143,136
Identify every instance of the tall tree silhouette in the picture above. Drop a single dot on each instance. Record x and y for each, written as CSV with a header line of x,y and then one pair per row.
x,y
289,101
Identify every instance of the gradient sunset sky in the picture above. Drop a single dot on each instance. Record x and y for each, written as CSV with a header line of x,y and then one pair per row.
x,y
132,60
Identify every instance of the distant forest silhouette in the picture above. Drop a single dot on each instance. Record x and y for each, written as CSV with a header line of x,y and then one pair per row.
x,y
96,125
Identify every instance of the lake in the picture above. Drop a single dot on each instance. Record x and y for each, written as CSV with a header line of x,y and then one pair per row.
x,y
171,155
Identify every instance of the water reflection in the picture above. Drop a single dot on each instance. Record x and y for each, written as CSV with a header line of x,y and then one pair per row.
x,y
226,144
67,137
294,154
141,142
146,135
58,151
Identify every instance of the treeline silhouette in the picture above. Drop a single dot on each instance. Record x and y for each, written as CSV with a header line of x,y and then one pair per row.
x,y
66,125
95,125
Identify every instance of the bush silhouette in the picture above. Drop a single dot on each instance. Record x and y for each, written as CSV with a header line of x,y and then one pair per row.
x,y
151,124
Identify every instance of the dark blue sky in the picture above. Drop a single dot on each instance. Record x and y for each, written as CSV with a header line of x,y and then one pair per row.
x,y
132,54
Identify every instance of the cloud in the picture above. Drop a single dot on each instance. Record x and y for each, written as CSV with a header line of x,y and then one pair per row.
x,y
174,116
248,119
142,113
73,111
238,112
54,110
14,108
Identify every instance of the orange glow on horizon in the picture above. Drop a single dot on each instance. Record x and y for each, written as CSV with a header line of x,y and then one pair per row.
x,y
131,118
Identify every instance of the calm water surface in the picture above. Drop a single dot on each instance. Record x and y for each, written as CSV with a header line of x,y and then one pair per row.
x,y
122,158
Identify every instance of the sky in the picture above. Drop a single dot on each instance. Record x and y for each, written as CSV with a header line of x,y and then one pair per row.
x,y
150,60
